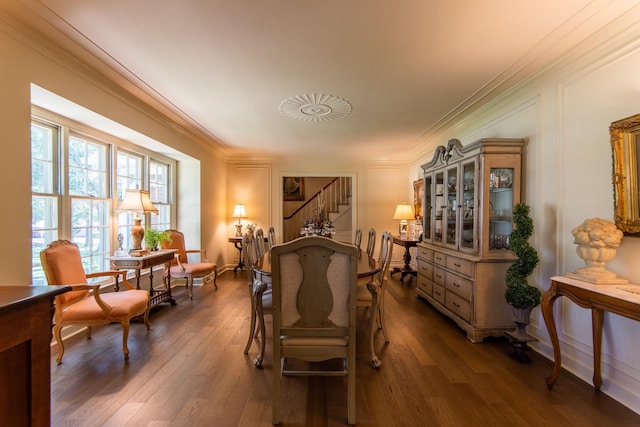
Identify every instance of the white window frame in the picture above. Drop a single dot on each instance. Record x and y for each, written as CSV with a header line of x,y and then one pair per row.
x,y
95,257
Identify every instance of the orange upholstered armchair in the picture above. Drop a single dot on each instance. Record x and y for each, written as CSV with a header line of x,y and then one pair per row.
x,y
182,268
85,304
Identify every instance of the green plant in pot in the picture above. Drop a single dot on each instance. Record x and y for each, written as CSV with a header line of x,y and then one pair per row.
x,y
521,296
154,238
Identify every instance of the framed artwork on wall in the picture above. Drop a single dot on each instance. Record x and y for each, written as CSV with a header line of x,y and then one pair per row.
x,y
418,195
293,188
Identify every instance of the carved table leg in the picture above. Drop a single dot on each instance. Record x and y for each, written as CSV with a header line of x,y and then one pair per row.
x,y
546,306
597,316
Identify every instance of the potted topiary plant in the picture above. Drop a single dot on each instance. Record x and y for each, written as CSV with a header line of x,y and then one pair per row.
x,y
521,296
154,238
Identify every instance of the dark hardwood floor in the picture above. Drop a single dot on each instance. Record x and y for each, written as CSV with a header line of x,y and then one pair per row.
x,y
190,370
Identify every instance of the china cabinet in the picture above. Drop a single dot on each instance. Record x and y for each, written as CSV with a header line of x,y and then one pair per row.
x,y
469,195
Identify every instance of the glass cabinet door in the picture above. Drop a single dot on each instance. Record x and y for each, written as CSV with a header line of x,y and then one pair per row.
x,y
439,207
427,204
501,201
450,228
468,212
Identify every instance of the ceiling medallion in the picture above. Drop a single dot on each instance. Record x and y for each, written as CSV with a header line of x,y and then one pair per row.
x,y
315,107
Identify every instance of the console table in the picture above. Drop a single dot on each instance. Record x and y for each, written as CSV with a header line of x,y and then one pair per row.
x,y
406,270
25,354
237,242
619,299
150,260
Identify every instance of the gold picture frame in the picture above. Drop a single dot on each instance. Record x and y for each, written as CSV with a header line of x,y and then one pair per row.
x,y
418,195
293,188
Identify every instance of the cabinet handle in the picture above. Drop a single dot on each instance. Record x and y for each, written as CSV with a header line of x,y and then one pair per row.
x,y
456,285
456,304
438,276
457,265
437,293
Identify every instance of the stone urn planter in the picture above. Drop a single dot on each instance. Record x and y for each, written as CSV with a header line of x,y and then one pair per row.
x,y
597,240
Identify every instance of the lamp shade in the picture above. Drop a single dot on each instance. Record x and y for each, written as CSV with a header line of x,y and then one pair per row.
x,y
137,201
239,212
404,212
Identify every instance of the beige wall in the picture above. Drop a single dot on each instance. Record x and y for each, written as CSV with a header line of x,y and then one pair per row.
x,y
377,188
565,114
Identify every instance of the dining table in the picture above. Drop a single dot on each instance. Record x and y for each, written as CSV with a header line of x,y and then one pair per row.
x,y
368,267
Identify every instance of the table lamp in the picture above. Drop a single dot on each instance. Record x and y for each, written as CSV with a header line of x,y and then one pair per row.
x,y
404,212
239,212
137,201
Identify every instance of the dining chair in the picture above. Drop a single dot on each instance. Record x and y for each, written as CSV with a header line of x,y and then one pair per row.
x,y
181,267
86,305
259,242
371,294
371,242
260,296
314,312
271,237
358,239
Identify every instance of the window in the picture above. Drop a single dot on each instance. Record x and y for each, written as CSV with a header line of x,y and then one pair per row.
x,y
79,176
128,177
159,193
45,189
90,201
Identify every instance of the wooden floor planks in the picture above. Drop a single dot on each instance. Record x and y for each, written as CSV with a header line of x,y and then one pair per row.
x,y
190,370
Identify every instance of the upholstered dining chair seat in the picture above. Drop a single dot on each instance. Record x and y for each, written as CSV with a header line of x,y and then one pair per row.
x,y
183,269
194,269
121,304
86,304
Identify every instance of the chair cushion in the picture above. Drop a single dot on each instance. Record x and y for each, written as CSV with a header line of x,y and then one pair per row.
x,y
125,304
195,269
267,299
362,293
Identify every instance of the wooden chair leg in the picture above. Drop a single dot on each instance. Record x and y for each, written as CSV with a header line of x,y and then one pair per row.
x,y
58,335
260,315
146,317
125,337
277,378
252,327
381,320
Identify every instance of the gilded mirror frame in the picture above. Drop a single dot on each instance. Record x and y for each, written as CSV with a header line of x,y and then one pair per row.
x,y
625,140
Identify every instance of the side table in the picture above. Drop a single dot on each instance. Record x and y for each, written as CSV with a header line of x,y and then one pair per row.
x,y
406,270
237,242
149,261
619,299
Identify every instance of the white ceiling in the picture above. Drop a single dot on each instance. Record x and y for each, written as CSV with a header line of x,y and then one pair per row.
x,y
221,68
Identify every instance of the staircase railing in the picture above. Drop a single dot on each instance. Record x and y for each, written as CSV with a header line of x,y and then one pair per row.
x,y
335,193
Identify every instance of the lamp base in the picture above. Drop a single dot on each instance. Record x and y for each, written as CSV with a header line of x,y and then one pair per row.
x,y
137,234
404,228
238,230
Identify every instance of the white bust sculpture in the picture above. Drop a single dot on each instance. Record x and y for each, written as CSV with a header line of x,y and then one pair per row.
x,y
597,240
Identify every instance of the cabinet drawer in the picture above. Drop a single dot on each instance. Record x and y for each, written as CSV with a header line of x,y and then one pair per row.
x,y
425,285
459,285
438,293
458,305
425,253
438,276
459,265
440,259
425,269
